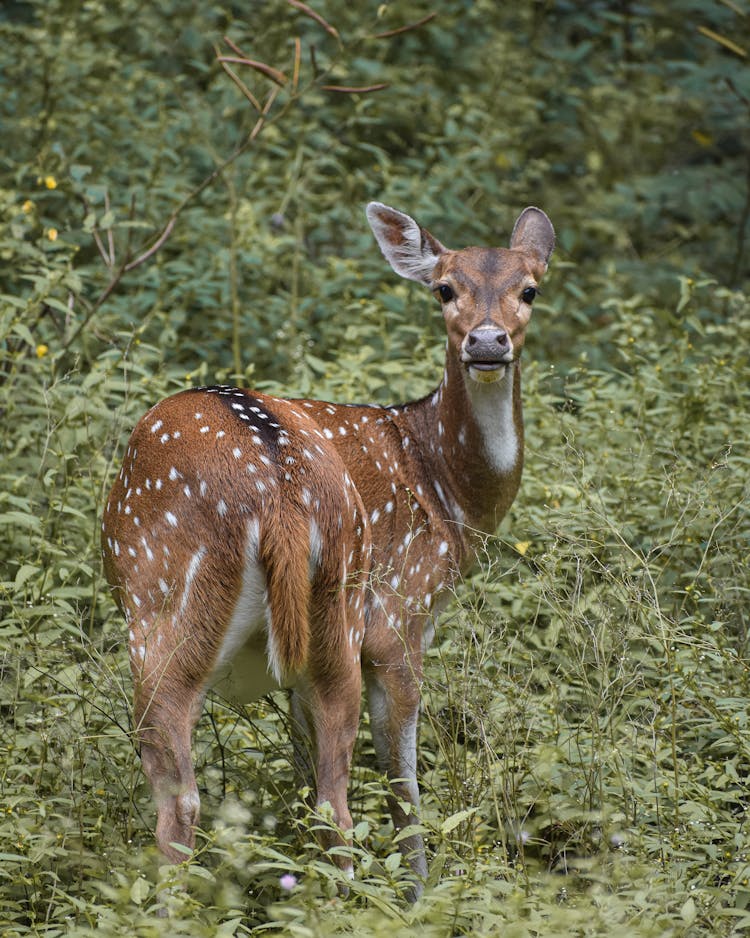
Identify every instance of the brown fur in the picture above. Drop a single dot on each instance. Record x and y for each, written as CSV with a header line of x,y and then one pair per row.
x,y
346,523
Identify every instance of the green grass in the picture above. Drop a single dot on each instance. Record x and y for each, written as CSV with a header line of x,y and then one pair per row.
x,y
584,741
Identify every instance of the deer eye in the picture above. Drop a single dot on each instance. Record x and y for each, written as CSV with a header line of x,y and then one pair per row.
x,y
528,295
445,293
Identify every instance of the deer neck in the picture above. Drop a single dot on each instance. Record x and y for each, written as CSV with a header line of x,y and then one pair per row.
x,y
471,435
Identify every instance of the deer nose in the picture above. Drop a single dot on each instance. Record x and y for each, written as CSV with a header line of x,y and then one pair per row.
x,y
487,344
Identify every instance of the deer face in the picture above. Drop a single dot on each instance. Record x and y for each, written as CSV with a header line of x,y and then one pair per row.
x,y
486,293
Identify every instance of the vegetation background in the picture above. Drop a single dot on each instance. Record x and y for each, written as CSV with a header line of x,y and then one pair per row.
x,y
585,743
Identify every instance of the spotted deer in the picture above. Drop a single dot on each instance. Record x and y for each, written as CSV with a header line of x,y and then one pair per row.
x,y
255,543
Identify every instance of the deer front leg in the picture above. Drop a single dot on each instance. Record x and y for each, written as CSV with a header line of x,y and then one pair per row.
x,y
393,698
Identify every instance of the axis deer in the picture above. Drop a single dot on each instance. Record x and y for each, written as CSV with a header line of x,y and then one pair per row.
x,y
255,543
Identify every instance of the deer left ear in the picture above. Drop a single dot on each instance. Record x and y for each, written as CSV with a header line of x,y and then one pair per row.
x,y
410,250
533,233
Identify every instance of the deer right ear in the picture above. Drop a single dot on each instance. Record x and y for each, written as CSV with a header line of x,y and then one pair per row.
x,y
410,250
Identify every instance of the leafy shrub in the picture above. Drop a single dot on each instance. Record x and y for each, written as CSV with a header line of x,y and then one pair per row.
x,y
584,749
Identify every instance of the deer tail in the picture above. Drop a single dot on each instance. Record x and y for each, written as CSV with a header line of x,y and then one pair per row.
x,y
284,552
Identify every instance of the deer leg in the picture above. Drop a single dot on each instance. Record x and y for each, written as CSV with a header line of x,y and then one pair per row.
x,y
165,723
302,741
330,696
393,699
335,716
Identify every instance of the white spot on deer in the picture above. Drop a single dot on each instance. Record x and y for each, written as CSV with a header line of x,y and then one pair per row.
x,y
158,484
186,490
220,434
136,600
163,438
198,416
251,468
395,581
149,552
265,460
257,440
260,486
195,562
205,429
328,434
127,509
374,516
443,549
342,431
157,426
163,586
202,488
171,518
174,474
236,452
132,552
316,547
221,507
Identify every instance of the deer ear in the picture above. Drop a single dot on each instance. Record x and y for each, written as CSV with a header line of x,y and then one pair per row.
x,y
533,233
410,250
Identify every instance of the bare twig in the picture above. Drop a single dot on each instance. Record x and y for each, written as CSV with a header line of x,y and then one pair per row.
x,y
405,29
240,84
350,89
308,11
110,235
297,58
268,70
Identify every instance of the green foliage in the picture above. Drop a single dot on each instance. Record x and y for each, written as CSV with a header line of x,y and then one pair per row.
x,y
584,747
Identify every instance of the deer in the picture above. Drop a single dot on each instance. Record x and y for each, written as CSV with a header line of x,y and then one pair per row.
x,y
255,543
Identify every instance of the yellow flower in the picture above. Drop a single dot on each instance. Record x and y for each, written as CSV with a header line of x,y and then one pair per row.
x,y
27,206
522,547
52,234
50,182
41,350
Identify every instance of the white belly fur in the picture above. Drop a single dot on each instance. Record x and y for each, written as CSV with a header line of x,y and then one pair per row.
x,y
241,671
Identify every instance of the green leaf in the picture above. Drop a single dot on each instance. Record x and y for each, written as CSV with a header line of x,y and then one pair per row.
x,y
452,822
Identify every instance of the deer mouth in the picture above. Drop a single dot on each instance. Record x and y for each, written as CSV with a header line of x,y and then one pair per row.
x,y
487,371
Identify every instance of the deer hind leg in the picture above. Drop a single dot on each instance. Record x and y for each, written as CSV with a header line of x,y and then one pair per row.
x,y
393,701
330,698
166,712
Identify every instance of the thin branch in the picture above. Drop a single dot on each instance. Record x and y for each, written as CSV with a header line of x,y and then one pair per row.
x,y
268,70
166,232
297,59
405,29
241,85
308,11
350,89
110,235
